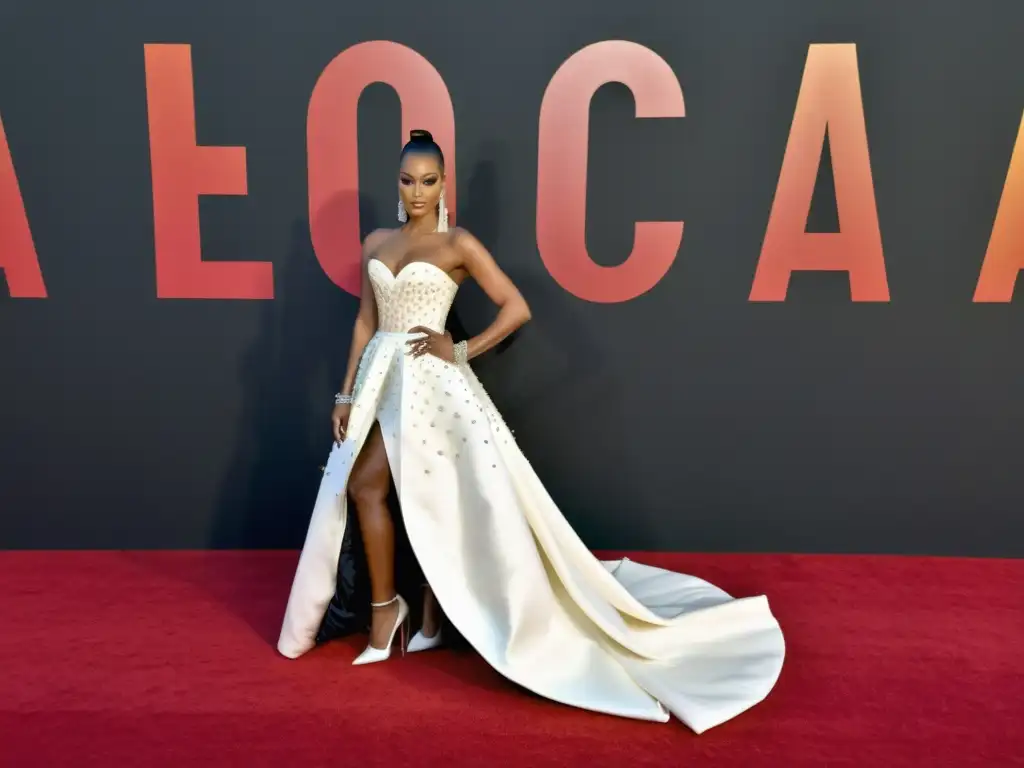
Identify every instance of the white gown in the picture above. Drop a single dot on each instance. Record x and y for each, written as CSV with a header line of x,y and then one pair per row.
x,y
510,573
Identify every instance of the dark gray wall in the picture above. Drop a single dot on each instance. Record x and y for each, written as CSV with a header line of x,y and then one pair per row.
x,y
687,418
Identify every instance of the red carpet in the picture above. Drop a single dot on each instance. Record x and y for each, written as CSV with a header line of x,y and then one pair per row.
x,y
123,659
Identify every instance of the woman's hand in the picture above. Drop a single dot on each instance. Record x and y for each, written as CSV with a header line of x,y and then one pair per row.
x,y
339,421
433,343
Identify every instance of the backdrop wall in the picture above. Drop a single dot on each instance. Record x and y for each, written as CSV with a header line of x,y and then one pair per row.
x,y
796,358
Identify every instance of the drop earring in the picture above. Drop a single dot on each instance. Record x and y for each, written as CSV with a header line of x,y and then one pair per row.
x,y
442,215
402,215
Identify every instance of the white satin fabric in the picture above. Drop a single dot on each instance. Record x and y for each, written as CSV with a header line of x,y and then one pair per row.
x,y
511,574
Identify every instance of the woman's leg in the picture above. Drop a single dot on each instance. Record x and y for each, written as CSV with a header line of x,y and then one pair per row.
x,y
368,486
431,614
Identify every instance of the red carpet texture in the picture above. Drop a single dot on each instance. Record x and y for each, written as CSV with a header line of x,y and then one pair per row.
x,y
154,659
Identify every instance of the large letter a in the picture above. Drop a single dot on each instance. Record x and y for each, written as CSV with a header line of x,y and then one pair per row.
x,y
829,100
18,258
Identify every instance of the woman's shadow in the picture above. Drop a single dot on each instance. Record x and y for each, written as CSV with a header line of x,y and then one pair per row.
x,y
561,351
286,381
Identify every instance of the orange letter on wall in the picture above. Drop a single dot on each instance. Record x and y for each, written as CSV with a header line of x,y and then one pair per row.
x,y
333,143
562,171
18,258
829,100
182,171
1005,255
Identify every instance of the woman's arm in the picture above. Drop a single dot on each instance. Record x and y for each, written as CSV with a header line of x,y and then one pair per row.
x,y
513,311
366,320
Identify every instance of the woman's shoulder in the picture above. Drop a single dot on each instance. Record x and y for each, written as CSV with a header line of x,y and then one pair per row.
x,y
373,241
461,236
468,246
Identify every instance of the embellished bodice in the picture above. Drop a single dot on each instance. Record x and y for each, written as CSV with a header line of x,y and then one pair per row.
x,y
420,294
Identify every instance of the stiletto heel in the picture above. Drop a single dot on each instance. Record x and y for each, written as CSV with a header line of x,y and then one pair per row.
x,y
421,642
372,655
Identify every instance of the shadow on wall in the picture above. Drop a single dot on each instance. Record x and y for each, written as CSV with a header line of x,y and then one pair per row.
x,y
286,383
563,352
480,215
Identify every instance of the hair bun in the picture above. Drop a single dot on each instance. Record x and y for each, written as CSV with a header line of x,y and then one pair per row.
x,y
419,135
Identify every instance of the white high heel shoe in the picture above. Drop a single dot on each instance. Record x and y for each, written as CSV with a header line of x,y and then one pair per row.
x,y
421,642
372,655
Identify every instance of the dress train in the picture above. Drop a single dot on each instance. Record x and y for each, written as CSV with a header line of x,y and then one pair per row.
x,y
506,567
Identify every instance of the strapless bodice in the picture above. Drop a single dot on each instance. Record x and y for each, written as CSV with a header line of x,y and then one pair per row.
x,y
420,294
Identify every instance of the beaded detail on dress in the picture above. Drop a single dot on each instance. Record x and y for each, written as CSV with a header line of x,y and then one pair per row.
x,y
421,294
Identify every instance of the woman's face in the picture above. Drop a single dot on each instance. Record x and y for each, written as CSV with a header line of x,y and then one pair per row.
x,y
420,183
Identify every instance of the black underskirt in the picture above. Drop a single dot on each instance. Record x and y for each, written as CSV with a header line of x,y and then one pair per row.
x,y
348,612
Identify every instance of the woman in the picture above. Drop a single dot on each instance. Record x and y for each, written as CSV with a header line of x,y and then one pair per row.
x,y
510,573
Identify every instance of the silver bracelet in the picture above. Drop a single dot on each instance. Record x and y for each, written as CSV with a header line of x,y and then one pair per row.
x,y
340,399
460,353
